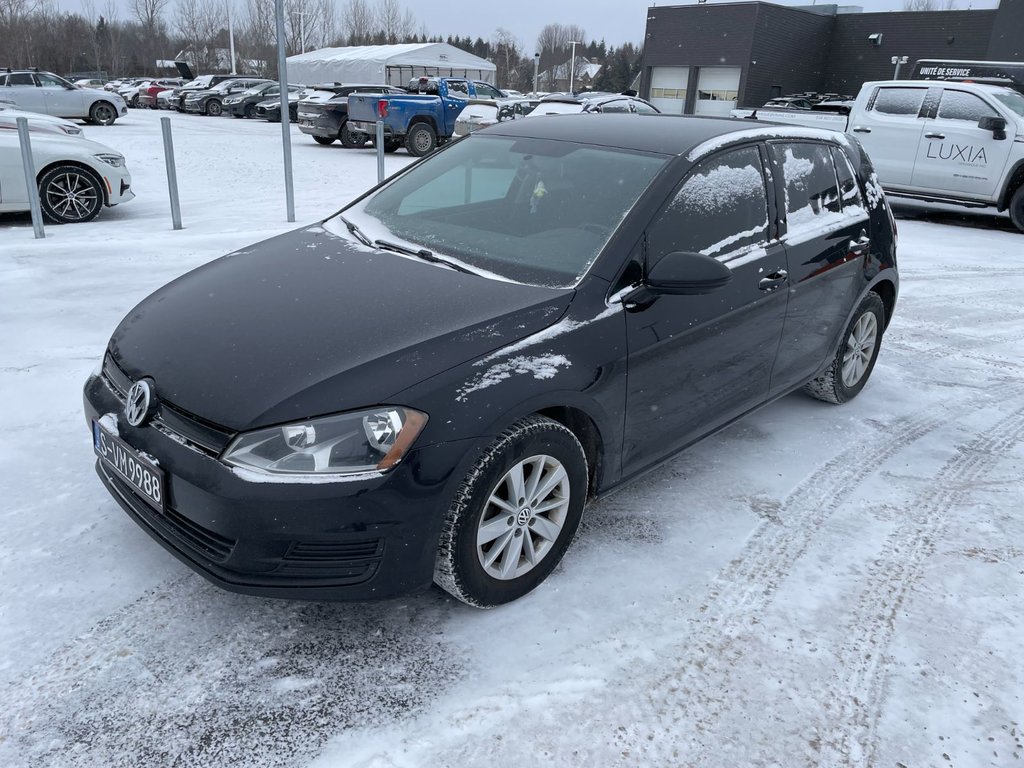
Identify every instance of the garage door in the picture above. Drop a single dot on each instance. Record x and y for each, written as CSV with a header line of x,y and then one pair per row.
x,y
717,89
668,88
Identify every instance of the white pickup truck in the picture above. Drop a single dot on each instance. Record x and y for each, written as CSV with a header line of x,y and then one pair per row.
x,y
939,141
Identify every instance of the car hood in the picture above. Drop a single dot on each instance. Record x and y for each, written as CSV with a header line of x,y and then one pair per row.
x,y
309,323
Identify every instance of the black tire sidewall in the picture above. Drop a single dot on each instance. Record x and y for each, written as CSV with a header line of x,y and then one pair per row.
x,y
98,106
870,303
481,588
410,140
347,137
1017,208
214,108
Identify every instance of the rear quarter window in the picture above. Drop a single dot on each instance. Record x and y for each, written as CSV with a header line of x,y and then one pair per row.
x,y
899,101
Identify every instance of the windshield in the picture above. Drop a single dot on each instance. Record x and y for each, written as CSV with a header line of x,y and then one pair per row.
x,y
1012,99
535,211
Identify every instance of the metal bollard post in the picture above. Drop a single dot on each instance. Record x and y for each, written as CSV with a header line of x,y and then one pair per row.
x,y
30,177
172,173
380,151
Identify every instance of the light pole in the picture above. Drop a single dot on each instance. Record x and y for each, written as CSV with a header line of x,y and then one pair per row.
x,y
536,71
897,60
231,40
572,64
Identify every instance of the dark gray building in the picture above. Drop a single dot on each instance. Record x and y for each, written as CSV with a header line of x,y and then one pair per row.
x,y
708,59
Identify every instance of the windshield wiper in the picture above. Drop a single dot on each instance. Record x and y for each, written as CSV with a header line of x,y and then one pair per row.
x,y
356,232
422,253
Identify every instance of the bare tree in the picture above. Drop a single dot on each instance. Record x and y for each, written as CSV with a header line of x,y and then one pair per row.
x,y
507,55
929,5
358,21
148,12
553,46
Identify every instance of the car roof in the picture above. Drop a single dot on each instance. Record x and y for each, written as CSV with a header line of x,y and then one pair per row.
x,y
666,134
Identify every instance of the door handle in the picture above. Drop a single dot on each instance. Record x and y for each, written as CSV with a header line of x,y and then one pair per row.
x,y
861,129
935,135
773,281
860,246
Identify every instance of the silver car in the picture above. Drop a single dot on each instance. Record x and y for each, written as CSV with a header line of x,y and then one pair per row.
x,y
52,95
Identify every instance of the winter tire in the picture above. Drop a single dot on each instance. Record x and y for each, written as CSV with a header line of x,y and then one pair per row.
x,y
69,194
852,366
514,515
324,140
350,139
420,140
102,113
214,108
1017,208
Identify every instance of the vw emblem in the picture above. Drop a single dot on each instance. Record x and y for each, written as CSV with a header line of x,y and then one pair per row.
x,y
136,406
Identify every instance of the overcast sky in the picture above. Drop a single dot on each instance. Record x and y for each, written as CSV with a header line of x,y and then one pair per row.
x,y
617,22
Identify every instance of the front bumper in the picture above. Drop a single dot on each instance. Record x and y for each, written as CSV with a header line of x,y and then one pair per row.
x,y
358,540
195,106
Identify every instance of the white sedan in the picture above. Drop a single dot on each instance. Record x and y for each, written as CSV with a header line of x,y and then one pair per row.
x,y
37,123
75,177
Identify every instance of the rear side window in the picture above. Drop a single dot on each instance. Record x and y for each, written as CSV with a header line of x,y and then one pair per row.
x,y
812,190
960,105
721,210
899,101
20,78
849,191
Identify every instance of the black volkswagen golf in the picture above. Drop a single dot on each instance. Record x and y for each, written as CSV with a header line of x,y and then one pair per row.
x,y
429,385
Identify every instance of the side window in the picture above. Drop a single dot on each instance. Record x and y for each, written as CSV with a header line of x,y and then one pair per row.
x,y
49,81
485,91
643,108
721,209
812,191
458,89
905,102
619,105
960,105
20,78
849,191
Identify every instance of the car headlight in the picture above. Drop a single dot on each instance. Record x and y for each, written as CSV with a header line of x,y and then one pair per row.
x,y
373,440
111,159
71,130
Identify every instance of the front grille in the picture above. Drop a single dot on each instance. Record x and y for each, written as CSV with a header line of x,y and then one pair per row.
x,y
170,419
173,525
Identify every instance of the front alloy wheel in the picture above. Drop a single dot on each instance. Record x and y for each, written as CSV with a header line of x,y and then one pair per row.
x,y
70,195
514,515
102,113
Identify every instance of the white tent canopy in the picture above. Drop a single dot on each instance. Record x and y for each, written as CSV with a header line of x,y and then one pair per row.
x,y
391,64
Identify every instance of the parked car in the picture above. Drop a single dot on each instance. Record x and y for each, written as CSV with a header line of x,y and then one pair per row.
x,y
90,83
422,119
52,95
270,109
429,385
147,96
560,104
323,113
479,114
244,104
211,100
939,141
76,177
201,83
37,123
129,91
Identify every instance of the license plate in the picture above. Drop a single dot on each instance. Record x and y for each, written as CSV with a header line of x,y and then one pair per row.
x,y
140,473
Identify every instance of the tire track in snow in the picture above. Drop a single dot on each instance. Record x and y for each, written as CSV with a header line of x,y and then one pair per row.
x,y
691,696
854,701
188,675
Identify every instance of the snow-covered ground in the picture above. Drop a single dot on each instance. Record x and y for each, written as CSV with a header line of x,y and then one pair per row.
x,y
815,586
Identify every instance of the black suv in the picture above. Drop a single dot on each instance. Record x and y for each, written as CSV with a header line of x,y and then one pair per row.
x,y
327,119
430,384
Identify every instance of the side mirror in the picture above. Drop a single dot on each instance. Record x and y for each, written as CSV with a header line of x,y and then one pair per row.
x,y
680,273
995,124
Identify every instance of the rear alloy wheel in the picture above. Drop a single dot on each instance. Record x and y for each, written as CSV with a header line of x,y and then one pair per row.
x,y
1017,208
852,366
102,113
214,108
420,140
514,515
324,140
70,195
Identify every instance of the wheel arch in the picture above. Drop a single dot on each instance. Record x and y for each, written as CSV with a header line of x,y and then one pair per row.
x,y
77,164
886,291
587,432
428,119
1014,180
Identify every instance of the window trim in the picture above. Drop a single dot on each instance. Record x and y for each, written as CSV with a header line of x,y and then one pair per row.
x,y
880,88
977,96
780,181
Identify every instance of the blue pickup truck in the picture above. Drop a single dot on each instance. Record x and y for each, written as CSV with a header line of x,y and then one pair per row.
x,y
421,119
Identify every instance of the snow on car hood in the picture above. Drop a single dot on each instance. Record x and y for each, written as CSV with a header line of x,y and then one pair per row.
x,y
309,323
